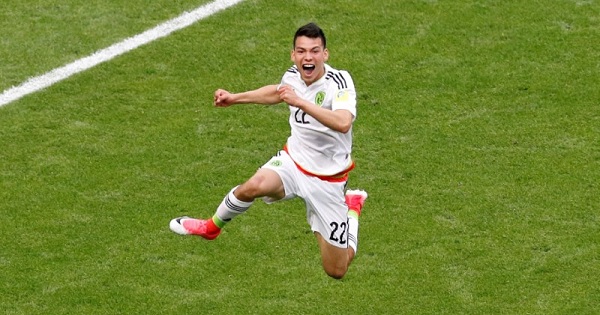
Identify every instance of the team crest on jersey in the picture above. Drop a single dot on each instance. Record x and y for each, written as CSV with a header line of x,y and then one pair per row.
x,y
276,163
342,96
320,98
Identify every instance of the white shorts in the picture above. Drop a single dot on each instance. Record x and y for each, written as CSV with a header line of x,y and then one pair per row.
x,y
326,209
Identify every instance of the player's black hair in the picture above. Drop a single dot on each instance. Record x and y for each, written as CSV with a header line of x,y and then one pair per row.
x,y
311,30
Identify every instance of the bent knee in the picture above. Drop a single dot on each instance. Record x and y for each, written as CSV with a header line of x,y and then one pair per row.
x,y
335,271
250,189
260,185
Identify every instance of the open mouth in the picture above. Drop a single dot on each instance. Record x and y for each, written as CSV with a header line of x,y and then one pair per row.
x,y
308,68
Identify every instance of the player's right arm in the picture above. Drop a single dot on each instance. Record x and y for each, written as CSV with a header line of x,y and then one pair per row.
x,y
266,95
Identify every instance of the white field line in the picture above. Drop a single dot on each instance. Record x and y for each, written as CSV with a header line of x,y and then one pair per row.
x,y
186,19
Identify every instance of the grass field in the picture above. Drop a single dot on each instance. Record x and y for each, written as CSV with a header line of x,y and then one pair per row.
x,y
477,139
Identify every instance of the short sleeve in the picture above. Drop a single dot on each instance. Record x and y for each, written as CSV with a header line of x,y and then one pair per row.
x,y
344,96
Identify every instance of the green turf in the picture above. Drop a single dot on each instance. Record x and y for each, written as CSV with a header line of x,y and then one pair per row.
x,y
477,140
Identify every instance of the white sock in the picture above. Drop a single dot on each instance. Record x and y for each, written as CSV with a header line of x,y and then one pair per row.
x,y
353,233
231,207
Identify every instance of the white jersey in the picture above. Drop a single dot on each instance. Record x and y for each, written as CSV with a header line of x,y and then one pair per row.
x,y
313,146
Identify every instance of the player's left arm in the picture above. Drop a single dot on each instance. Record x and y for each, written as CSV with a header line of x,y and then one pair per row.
x,y
339,120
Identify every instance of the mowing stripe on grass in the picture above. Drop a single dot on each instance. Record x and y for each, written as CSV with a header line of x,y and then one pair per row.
x,y
186,19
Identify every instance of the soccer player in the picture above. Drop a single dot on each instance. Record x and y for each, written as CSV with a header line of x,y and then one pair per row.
x,y
315,162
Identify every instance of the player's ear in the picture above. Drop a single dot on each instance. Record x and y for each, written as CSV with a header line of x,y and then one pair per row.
x,y
292,55
326,54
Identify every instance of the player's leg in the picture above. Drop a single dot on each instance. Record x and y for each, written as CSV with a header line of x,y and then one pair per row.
x,y
335,260
264,182
338,235
355,199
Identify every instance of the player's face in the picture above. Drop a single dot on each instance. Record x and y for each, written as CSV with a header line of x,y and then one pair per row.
x,y
310,56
